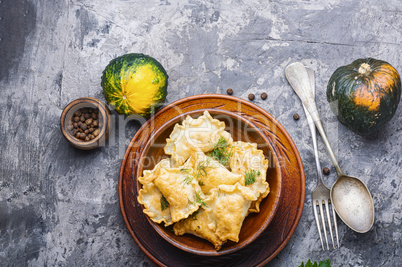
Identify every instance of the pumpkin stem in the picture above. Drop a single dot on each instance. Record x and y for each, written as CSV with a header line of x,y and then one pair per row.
x,y
364,68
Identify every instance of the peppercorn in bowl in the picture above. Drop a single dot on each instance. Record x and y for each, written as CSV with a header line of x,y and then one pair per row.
x,y
85,123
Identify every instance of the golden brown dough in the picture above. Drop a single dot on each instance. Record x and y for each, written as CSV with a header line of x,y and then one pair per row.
x,y
181,190
203,133
227,206
150,197
198,226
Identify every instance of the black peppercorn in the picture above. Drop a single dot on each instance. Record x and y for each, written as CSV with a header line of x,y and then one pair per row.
x,y
251,96
296,116
84,124
264,96
229,91
325,171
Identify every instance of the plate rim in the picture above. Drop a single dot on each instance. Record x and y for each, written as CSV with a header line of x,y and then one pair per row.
x,y
298,214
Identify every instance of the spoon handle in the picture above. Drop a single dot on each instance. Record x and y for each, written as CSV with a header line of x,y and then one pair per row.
x,y
298,78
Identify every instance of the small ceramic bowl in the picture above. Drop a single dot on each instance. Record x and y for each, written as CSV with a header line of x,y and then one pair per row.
x,y
254,224
104,120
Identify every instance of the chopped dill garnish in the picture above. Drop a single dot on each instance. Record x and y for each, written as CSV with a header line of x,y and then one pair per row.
x,y
199,200
202,168
202,171
185,170
164,203
194,215
188,179
251,177
222,151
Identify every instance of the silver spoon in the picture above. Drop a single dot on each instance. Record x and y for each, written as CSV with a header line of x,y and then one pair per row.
x,y
349,195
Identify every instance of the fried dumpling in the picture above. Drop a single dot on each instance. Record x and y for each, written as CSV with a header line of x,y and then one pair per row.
x,y
149,175
227,206
197,225
203,133
210,173
181,191
251,163
153,201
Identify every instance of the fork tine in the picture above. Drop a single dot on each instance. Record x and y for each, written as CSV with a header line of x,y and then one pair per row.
x,y
323,223
329,221
335,224
318,223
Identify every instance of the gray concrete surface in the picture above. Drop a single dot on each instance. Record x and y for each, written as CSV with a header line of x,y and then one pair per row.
x,y
59,205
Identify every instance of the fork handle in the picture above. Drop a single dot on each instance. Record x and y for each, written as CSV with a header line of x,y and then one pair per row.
x,y
312,127
298,78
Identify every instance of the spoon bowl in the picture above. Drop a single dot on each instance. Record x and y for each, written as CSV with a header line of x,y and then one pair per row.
x,y
353,203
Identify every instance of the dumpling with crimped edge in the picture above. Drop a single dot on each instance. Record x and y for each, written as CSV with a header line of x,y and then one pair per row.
x,y
181,191
152,199
255,205
210,173
149,175
197,225
227,206
203,133
251,163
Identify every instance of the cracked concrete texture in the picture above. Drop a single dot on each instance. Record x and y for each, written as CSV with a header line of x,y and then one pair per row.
x,y
59,206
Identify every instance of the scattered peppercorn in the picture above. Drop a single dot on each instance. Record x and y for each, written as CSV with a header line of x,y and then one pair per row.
x,y
264,96
325,171
84,124
229,91
251,96
296,116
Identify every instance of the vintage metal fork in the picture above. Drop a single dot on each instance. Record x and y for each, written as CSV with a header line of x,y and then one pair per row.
x,y
321,194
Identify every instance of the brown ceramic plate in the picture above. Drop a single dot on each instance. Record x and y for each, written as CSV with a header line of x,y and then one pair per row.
x,y
270,242
241,129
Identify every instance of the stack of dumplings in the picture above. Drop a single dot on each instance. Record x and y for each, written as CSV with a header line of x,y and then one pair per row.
x,y
210,183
